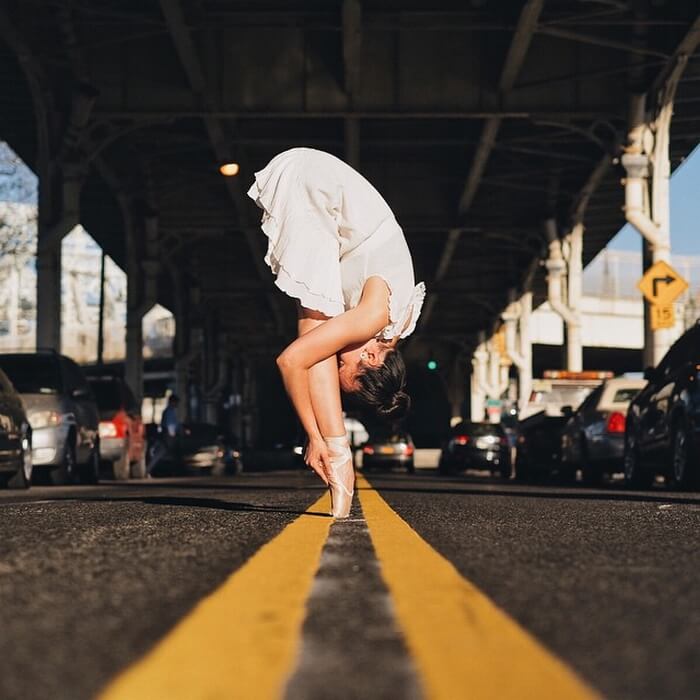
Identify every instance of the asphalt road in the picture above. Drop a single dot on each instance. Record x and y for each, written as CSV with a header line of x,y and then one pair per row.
x,y
92,577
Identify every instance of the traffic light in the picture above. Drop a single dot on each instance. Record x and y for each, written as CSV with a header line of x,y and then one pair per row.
x,y
432,364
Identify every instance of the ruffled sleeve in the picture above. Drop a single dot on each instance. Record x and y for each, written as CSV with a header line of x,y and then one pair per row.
x,y
414,309
404,323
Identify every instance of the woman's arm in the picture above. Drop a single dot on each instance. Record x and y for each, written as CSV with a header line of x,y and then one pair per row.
x,y
324,341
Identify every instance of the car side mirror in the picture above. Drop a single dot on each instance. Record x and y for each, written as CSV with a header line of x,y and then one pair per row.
x,y
649,373
80,393
567,411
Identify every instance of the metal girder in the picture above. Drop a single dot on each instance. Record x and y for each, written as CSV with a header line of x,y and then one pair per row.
x,y
187,53
599,41
598,112
588,190
352,44
527,23
686,48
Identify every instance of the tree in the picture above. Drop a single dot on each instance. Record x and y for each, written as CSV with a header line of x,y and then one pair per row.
x,y
18,209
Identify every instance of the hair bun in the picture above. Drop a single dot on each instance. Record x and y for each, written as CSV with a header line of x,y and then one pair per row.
x,y
396,408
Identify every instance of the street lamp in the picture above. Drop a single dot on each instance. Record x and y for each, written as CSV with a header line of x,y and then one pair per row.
x,y
229,169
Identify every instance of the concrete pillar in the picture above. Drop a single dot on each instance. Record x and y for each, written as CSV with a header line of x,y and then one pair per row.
x,y
457,388
352,142
574,341
59,213
556,266
519,345
647,154
141,226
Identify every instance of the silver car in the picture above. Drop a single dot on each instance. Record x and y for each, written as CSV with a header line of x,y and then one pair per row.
x,y
593,438
62,413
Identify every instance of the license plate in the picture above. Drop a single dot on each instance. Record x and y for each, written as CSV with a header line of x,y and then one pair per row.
x,y
386,450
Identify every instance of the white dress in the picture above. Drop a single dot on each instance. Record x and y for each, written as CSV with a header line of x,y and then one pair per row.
x,y
329,231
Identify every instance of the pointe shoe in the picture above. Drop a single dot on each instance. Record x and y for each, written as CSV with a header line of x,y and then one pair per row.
x,y
341,480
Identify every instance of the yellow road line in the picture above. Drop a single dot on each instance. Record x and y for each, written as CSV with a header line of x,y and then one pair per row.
x,y
462,644
240,641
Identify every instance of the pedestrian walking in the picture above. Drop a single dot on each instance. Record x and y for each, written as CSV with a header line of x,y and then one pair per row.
x,y
335,246
169,429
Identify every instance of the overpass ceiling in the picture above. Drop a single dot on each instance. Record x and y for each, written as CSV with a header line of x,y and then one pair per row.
x,y
476,120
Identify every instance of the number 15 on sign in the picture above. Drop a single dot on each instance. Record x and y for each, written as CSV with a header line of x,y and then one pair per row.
x,y
662,316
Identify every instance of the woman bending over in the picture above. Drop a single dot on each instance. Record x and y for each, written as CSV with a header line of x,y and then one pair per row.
x,y
335,246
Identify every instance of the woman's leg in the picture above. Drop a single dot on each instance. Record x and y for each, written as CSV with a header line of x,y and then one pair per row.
x,y
325,400
323,382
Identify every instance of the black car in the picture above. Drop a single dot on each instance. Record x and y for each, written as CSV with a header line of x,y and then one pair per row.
x,y
662,432
594,436
388,449
15,438
476,446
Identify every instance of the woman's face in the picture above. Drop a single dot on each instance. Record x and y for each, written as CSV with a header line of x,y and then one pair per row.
x,y
354,358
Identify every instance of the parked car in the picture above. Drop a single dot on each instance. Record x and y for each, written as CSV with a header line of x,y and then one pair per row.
x,y
62,413
388,449
122,438
662,434
15,438
593,437
476,446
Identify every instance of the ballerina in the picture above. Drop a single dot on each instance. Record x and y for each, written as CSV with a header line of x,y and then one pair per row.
x,y
335,246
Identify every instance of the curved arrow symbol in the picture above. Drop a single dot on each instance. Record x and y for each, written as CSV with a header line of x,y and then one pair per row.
x,y
658,280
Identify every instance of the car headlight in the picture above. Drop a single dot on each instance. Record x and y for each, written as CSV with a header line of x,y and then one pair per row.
x,y
44,419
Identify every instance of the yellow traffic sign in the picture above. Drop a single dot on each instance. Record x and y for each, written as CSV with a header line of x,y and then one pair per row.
x,y
661,284
662,316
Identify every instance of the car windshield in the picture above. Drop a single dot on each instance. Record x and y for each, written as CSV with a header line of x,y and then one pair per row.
x,y
389,437
107,394
561,396
476,429
625,395
32,374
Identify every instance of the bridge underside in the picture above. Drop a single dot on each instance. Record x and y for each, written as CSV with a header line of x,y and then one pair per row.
x,y
476,120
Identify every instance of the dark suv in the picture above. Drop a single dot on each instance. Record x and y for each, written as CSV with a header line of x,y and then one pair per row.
x,y
62,413
662,433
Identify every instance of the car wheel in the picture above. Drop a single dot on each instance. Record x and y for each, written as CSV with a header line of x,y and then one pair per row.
x,y
90,471
504,469
635,475
444,468
138,468
23,478
523,470
410,468
66,472
682,475
590,471
121,467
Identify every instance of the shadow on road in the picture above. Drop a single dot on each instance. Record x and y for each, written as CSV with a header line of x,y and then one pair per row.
x,y
193,502
474,487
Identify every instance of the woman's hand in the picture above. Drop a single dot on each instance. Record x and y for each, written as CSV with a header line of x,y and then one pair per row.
x,y
316,457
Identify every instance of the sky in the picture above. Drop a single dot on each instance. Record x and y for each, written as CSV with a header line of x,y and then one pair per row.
x,y
685,212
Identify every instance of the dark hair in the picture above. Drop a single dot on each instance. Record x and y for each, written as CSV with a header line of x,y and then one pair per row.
x,y
382,388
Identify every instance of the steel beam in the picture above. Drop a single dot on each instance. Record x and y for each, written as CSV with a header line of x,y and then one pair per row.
x,y
352,57
187,53
524,31
532,113
599,41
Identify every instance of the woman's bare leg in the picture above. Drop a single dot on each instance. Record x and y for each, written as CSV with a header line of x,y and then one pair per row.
x,y
325,400
323,382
